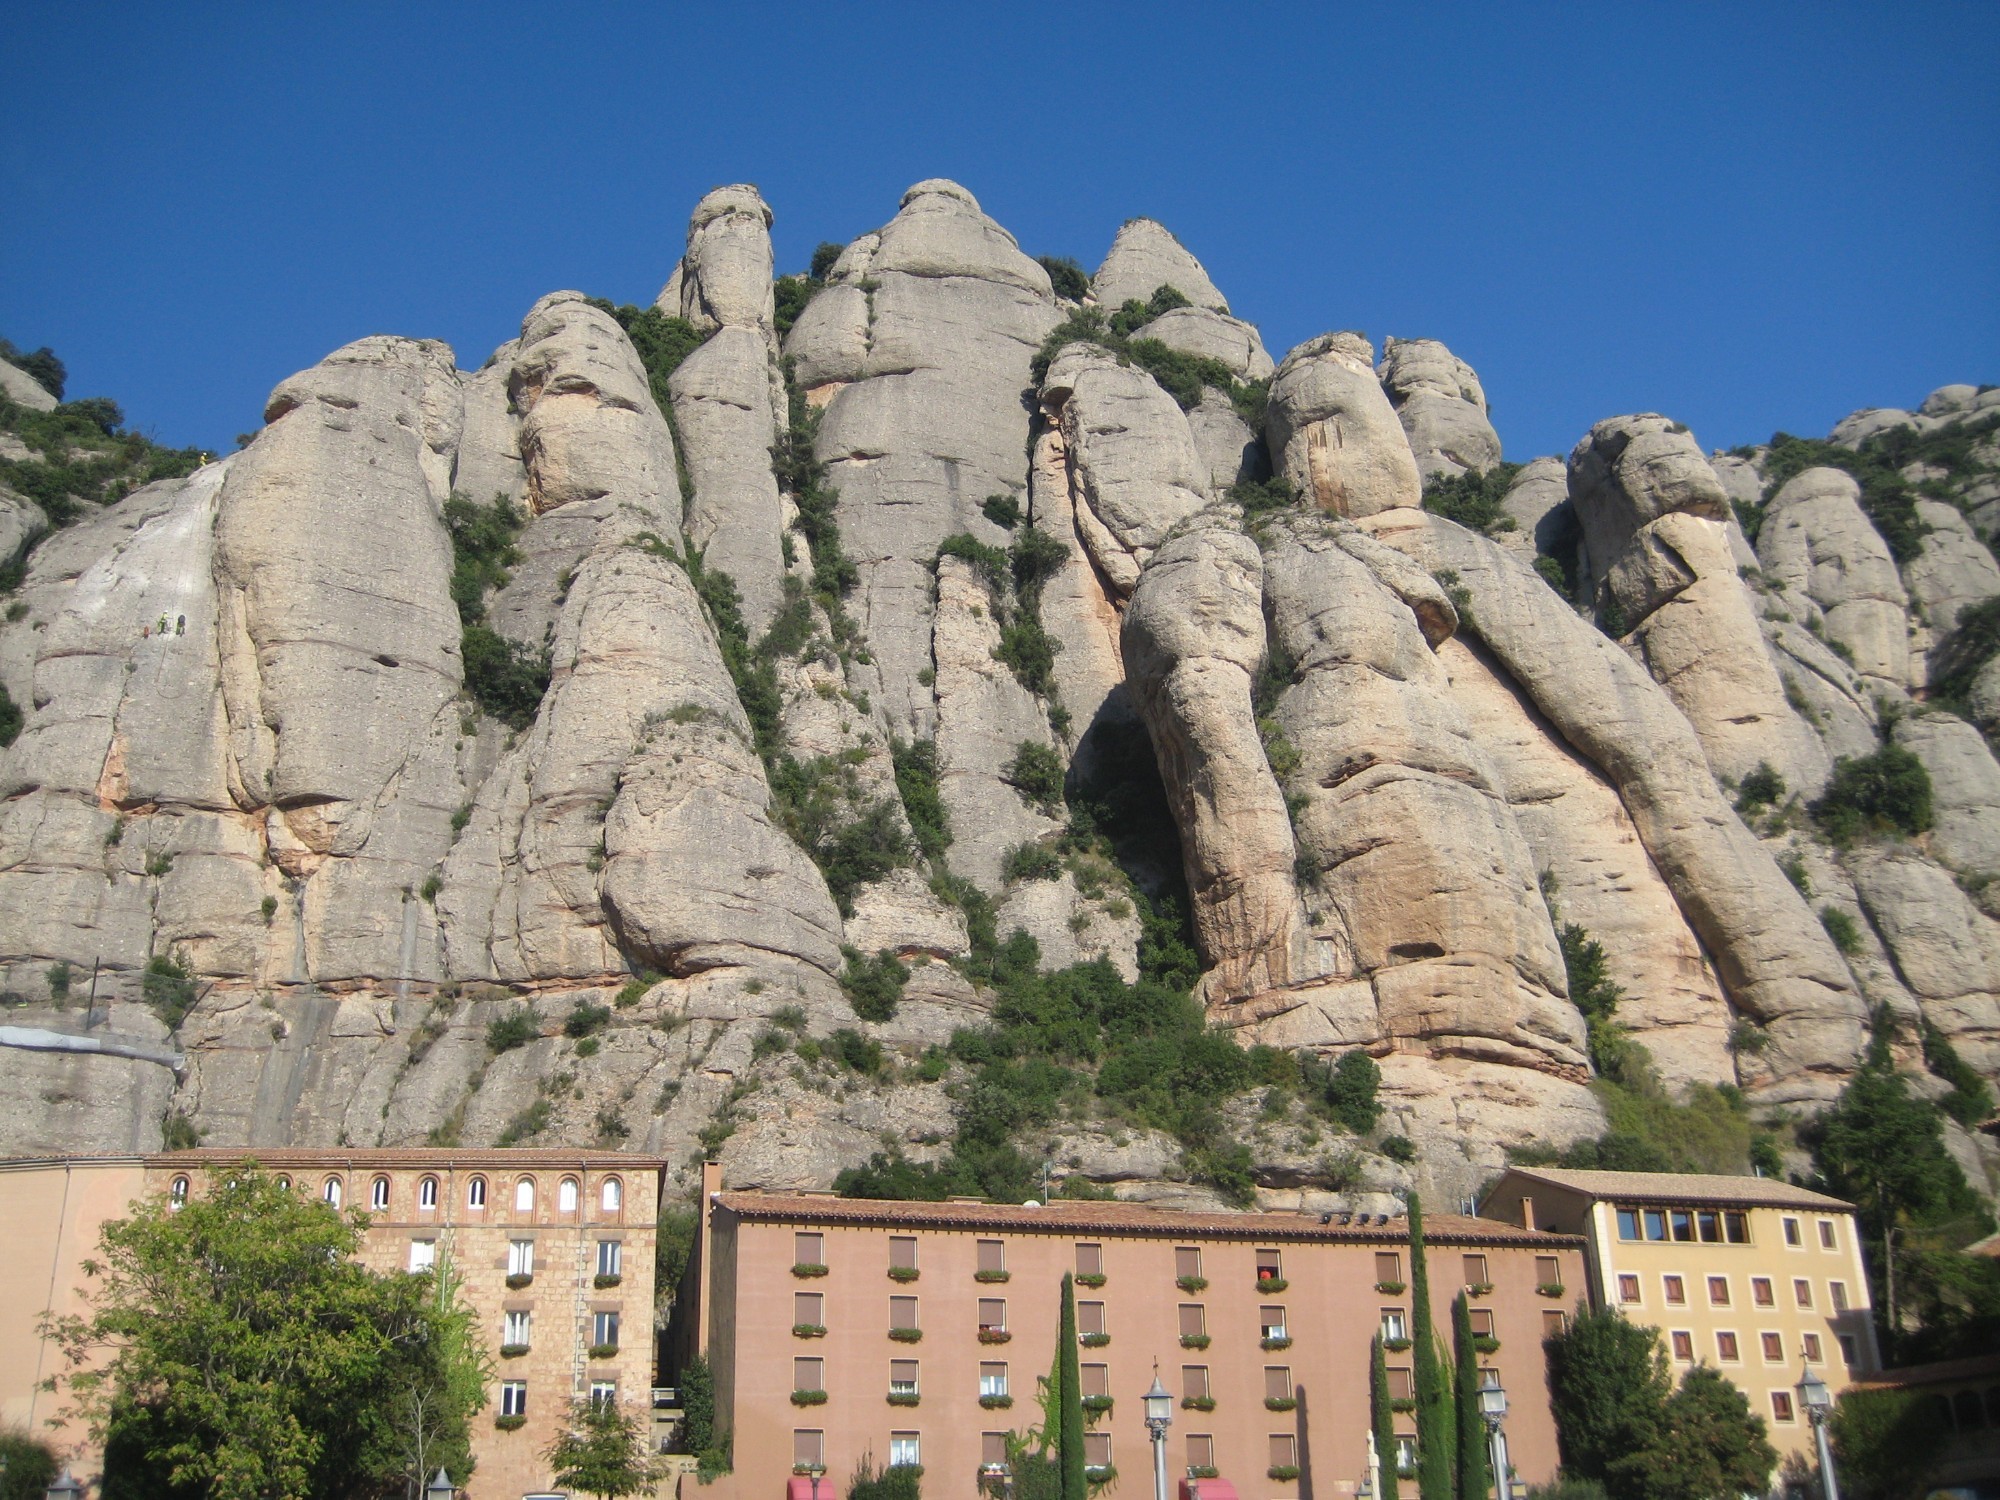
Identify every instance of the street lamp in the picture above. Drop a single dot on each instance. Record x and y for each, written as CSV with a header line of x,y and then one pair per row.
x,y
1493,1407
1159,1417
66,1488
440,1487
816,1470
1818,1402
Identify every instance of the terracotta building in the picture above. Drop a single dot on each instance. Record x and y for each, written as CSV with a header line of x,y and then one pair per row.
x,y
554,1248
1755,1277
843,1329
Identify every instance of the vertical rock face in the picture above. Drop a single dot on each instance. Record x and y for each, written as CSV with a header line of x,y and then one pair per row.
x,y
18,386
1817,540
1441,405
1538,501
1333,433
1144,257
1952,569
1630,471
726,274
1208,334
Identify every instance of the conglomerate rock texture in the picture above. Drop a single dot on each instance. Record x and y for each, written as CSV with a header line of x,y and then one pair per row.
x,y
1396,758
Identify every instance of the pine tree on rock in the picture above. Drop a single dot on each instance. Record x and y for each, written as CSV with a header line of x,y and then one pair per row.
x,y
1384,1419
1475,1473
1437,1430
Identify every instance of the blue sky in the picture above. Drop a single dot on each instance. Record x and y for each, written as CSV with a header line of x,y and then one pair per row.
x,y
1749,216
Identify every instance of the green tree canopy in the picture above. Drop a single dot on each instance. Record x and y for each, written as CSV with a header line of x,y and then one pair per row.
x,y
1608,1381
602,1451
1706,1445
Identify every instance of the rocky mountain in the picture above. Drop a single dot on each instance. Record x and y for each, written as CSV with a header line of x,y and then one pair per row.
x,y
654,735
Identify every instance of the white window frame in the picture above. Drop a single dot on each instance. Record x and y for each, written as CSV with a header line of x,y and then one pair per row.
x,y
330,1192
568,1195
610,1258
994,1385
427,1193
475,1193
517,1328
905,1449
599,1327
423,1256
1395,1324
378,1195
611,1197
524,1196
603,1393
513,1398
520,1257
177,1193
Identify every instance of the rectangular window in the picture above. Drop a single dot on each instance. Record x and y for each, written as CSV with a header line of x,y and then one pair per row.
x,y
1194,1322
1683,1342
1781,1406
902,1252
1284,1449
1628,1286
1809,1347
1277,1382
905,1450
604,1393
1682,1220
1402,1383
808,1249
903,1378
1826,1234
1268,1266
1406,1454
903,1312
809,1309
1836,1295
1201,1450
1097,1450
1394,1324
1656,1223
1718,1291
1089,1260
1773,1347
1761,1293
1548,1271
513,1398
514,1329
1736,1228
808,1448
993,1451
1554,1325
1475,1271
1096,1379
808,1374
1791,1231
1481,1320
423,1255
1709,1223
610,1258
993,1379
1194,1382
520,1257
1272,1321
1725,1347
992,1256
1628,1223
1676,1290
1090,1317
1187,1260
604,1328
1388,1267
1847,1348
1802,1291
992,1314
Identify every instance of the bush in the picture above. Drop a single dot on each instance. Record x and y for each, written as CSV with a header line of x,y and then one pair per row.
x,y
586,1019
990,563
1971,1098
1351,1090
873,985
41,365
27,1464
1398,1148
1066,277
1003,511
803,476
923,805
1763,787
1889,500
168,986
851,1049
1886,792
789,296
1032,862
1473,499
516,1028
1036,772
1842,928
1974,641
1262,496
11,718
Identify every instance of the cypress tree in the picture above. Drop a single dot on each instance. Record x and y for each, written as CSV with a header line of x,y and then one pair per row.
x,y
1385,1421
1475,1475
1069,1444
1437,1428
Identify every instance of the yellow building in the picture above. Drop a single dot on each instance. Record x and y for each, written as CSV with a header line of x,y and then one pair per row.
x,y
1753,1276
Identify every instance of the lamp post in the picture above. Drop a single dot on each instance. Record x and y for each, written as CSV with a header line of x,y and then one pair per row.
x,y
66,1488
440,1487
1159,1417
1818,1402
1493,1407
815,1471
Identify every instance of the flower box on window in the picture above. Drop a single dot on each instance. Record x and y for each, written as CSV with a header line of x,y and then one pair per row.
x,y
915,1471
1090,1278
1191,1283
606,1278
1282,1472
906,1335
1485,1343
1272,1283
905,1398
1550,1289
1480,1289
603,1351
1281,1403
1391,1288
1194,1341
809,1330
1203,1471
996,1403
1402,1403
513,1351
520,1279
1096,1404
903,1273
1395,1346
808,1398
1197,1403
1094,1340
1278,1341
994,1335
508,1424
1100,1473
808,1268
991,1275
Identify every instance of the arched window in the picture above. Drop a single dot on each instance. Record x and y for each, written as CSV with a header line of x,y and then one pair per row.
x,y
612,1196
427,1193
475,1193
566,1196
284,1181
378,1194
331,1192
524,1195
177,1194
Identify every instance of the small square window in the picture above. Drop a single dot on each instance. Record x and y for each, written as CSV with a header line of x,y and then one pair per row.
x,y
1736,1228
1395,1325
1802,1291
1792,1232
1676,1290
1683,1346
1193,1320
1725,1347
903,1377
1628,1286
902,1252
1773,1347
993,1256
808,1249
1718,1291
992,1314
808,1374
1554,1324
903,1312
1761,1293
1194,1382
1269,1267
993,1379
1781,1406
1402,1383
1097,1450
1271,1319
993,1452
604,1393
1481,1320
514,1329
423,1255
610,1257
1201,1450
1187,1261
513,1398
1406,1455
604,1330
1656,1223
1089,1260
1826,1238
1388,1267
520,1257
1836,1294
1809,1347
1548,1271
809,1309
1628,1223
1284,1449
1096,1379
1475,1270
1090,1317
905,1450
808,1448
1277,1382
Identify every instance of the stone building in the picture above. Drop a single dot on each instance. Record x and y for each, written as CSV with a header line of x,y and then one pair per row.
x,y
843,1330
555,1249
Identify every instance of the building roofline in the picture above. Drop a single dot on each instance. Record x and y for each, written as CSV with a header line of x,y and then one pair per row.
x,y
1678,1187
382,1156
1111,1218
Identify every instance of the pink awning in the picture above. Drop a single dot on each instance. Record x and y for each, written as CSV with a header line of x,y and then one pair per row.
x,y
800,1487
1210,1489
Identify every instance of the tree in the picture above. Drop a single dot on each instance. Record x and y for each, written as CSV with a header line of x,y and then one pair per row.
x,y
1069,1445
1383,1417
1886,1444
445,1383
1608,1383
1436,1426
601,1452
211,1309
1475,1472
29,1466
1707,1445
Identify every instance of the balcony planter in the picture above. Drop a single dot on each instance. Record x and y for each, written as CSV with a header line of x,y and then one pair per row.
x,y
1203,1471
804,1471
1480,1289
1272,1283
1091,1279
1403,1403
1280,1341
994,1335
1194,1341
604,1279
1282,1472
808,1268
905,1398
603,1351
903,1273
519,1279
508,1424
996,1403
1101,1474
991,1276
1191,1283
513,1351
1485,1343
1395,1346
915,1471
808,1398
906,1335
1094,1340
1281,1403
1197,1403
1391,1288
809,1330
1550,1289
1096,1405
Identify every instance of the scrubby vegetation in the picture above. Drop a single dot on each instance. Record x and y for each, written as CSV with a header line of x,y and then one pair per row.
x,y
1066,277
1028,650
81,455
1036,772
1473,499
801,474
1182,376
873,985
168,986
661,342
504,677
41,365
822,804
923,805
1887,792
1974,643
